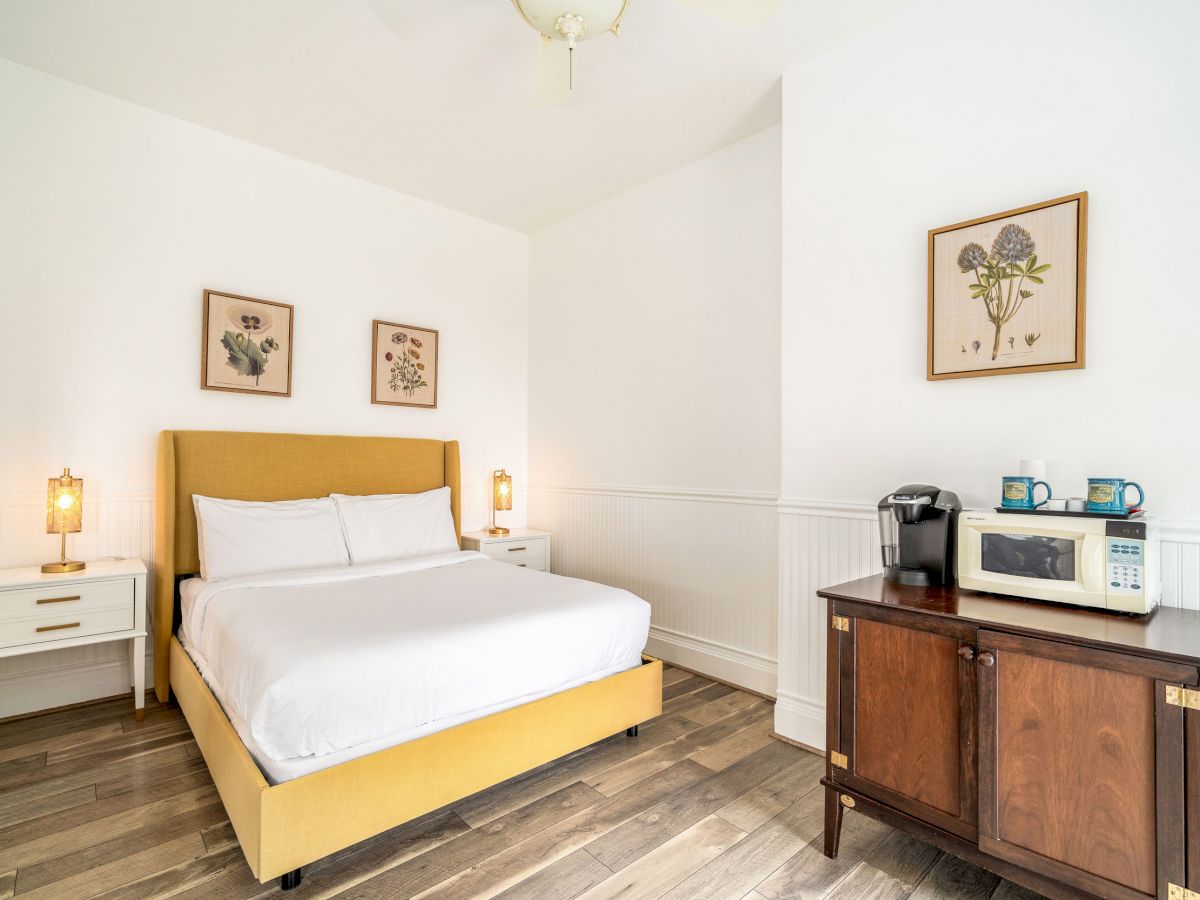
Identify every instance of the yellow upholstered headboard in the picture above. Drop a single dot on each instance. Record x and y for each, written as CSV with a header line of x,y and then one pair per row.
x,y
239,465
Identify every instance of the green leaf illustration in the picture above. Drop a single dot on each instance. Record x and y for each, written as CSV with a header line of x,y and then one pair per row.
x,y
245,357
1012,257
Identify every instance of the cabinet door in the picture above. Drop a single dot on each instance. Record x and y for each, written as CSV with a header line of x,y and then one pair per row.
x,y
1192,779
905,718
1081,764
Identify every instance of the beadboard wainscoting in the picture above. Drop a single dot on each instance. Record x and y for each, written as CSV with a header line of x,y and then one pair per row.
x,y
704,560
115,523
822,543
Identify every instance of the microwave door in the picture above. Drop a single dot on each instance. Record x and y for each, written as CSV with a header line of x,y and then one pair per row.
x,y
1033,559
1038,556
1091,565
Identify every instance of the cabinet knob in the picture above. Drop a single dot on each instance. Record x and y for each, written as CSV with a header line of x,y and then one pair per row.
x,y
966,652
987,659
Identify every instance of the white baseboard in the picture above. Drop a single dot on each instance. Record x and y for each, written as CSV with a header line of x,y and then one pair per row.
x,y
720,661
800,719
28,692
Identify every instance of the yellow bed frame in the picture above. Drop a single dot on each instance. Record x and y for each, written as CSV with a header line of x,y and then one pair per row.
x,y
286,826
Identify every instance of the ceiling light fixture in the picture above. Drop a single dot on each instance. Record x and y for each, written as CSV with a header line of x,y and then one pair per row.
x,y
572,21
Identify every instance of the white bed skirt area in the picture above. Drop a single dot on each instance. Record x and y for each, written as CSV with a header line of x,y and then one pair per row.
x,y
318,667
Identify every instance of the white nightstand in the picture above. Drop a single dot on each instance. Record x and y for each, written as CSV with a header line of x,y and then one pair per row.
x,y
104,602
521,547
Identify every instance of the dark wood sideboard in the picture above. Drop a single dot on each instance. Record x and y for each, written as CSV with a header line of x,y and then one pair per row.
x,y
1058,747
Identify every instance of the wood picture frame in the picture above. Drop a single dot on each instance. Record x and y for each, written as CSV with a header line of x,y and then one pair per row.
x,y
404,365
238,358
982,272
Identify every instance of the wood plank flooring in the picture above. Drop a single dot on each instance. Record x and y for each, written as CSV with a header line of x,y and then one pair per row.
x,y
704,803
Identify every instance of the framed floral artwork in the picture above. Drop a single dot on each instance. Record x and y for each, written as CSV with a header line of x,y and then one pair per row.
x,y
1007,292
246,345
404,365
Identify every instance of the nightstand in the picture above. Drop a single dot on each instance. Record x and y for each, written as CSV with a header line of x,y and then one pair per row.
x,y
104,602
521,547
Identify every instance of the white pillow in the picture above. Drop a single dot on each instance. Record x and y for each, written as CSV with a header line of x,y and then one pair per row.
x,y
383,527
239,537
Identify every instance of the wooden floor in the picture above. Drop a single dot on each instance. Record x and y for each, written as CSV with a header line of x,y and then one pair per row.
x,y
703,803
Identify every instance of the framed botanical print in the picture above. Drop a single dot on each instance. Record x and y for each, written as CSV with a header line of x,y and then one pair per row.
x,y
246,345
404,365
1007,292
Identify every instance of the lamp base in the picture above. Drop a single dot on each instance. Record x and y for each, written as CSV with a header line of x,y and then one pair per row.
x,y
67,565
495,529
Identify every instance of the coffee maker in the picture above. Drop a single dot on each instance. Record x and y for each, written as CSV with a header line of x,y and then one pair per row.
x,y
918,525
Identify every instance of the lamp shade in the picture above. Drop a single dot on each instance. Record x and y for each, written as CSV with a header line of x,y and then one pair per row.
x,y
64,504
551,17
502,489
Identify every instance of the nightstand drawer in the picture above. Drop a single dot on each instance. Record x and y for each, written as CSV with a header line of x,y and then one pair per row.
x,y
65,624
536,563
66,601
523,551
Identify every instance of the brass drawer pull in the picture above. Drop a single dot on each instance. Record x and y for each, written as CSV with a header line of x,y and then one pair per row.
x,y
42,628
515,549
55,600
522,565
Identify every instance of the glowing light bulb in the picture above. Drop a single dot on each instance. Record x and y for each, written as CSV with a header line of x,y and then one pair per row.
x,y
65,501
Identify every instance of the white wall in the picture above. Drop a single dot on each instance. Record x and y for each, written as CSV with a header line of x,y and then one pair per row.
x,y
654,402
883,141
113,221
116,218
951,112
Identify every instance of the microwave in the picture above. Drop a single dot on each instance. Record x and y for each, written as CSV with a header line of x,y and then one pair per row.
x,y
1097,562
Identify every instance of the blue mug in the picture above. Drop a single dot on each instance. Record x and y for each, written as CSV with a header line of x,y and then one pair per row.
x,y
1107,495
1016,492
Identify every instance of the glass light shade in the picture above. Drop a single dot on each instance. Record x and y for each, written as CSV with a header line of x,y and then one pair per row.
x,y
601,16
502,490
64,504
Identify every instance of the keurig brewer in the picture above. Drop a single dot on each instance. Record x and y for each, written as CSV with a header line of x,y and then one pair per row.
x,y
918,525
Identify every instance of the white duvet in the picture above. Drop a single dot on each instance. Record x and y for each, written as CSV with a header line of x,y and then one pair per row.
x,y
322,662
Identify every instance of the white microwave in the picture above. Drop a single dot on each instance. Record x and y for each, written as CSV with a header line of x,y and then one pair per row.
x,y
1104,563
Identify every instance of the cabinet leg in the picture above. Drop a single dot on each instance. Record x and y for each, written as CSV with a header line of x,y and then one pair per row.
x,y
833,822
137,663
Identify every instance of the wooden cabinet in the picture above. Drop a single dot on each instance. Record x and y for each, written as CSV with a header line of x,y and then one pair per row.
x,y
1059,758
907,729
1081,765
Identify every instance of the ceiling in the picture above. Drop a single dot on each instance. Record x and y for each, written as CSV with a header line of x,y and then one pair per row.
x,y
436,98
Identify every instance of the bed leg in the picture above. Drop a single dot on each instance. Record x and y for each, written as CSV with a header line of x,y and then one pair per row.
x,y
290,880
631,732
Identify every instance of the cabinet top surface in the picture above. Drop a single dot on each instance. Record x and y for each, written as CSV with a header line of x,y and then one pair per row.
x,y
1167,631
514,534
99,570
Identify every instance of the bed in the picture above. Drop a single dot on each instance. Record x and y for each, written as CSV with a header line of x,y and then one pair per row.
x,y
298,786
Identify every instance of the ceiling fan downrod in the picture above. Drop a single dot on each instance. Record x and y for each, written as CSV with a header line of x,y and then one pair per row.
x,y
571,27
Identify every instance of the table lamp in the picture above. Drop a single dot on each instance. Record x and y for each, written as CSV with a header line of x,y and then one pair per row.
x,y
64,513
501,498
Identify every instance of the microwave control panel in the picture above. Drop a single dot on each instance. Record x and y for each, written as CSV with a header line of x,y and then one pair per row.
x,y
1125,557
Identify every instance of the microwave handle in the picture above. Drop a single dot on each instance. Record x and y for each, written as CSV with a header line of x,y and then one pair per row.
x,y
1091,563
